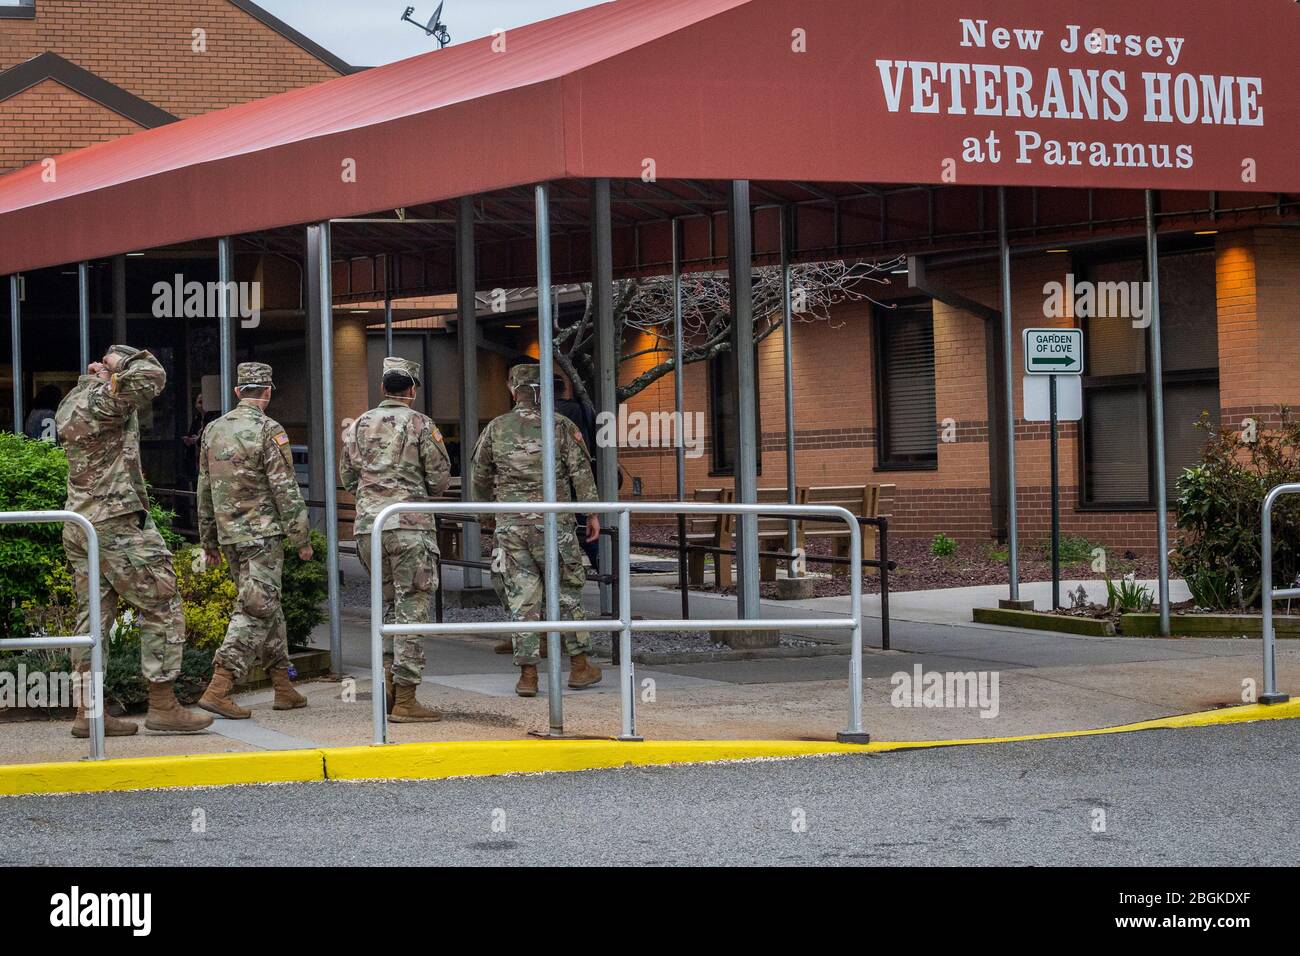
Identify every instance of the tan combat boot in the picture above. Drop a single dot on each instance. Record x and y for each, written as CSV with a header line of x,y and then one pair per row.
x,y
504,647
408,710
527,686
582,673
286,698
113,726
216,699
167,714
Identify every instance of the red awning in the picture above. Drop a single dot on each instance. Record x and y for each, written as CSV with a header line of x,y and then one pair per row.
x,y
1197,95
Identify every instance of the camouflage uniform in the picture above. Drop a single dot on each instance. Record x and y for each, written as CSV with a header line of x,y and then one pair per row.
x,y
100,430
395,454
249,503
508,467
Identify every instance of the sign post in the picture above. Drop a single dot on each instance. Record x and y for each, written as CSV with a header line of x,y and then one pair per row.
x,y
1053,353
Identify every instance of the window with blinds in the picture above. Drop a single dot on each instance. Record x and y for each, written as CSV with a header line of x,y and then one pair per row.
x,y
1116,453
906,433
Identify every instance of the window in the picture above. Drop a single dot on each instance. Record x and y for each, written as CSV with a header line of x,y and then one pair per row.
x,y
17,9
906,433
722,412
1116,454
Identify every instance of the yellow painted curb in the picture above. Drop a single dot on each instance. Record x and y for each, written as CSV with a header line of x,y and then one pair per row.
x,y
1247,713
433,761
150,773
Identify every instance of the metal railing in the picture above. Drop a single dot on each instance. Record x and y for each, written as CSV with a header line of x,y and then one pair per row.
x,y
1268,595
94,707
624,625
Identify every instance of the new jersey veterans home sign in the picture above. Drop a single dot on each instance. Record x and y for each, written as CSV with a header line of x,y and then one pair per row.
x,y
1183,95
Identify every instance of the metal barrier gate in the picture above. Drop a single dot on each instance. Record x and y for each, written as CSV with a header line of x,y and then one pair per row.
x,y
624,626
94,640
1268,595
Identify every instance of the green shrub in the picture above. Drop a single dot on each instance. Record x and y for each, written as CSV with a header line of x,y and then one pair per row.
x,y
207,596
33,477
304,591
942,546
1218,515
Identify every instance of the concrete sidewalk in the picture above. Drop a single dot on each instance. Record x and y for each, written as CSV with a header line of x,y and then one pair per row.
x,y
1044,683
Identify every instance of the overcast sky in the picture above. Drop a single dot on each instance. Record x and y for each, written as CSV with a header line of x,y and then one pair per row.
x,y
370,32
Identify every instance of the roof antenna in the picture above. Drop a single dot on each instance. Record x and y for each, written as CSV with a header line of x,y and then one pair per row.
x,y
434,28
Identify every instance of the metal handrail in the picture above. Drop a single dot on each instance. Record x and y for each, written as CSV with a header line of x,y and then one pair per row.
x,y
625,625
1268,595
94,640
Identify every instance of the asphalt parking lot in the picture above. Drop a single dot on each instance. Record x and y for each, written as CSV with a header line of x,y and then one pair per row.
x,y
1214,796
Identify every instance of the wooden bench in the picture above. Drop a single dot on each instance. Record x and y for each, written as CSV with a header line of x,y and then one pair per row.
x,y
710,531
865,501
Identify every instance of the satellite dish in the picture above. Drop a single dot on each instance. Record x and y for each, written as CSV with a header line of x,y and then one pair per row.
x,y
434,28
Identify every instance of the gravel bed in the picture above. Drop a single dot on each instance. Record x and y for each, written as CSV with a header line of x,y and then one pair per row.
x,y
975,562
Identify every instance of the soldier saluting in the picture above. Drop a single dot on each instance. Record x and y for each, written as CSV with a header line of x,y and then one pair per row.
x,y
99,425
394,454
249,507
508,467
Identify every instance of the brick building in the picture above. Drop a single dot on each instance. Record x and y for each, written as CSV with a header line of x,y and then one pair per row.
x,y
879,390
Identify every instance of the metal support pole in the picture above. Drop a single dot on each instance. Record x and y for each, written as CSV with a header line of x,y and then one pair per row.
x,y
602,292
1056,496
378,688
740,249
83,312
626,671
322,302
1013,534
679,385
787,298
545,347
855,733
225,329
120,334
1158,412
1270,694
388,305
16,342
467,336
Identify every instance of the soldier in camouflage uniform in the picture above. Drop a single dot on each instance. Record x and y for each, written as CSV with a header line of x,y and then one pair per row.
x,y
394,454
249,508
99,425
508,467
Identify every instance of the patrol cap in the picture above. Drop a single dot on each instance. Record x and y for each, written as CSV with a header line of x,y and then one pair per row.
x,y
525,375
408,368
122,351
257,374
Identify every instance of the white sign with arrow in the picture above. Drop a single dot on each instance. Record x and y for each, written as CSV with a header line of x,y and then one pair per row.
x,y
1054,351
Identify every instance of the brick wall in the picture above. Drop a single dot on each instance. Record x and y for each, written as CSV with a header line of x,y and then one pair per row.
x,y
48,119
146,47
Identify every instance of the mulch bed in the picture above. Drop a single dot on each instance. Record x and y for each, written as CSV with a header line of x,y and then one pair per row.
x,y
974,563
